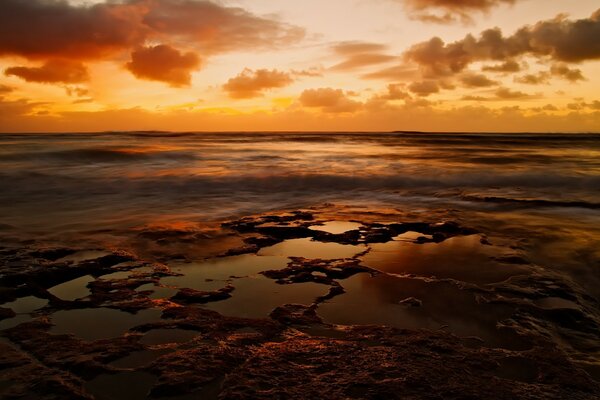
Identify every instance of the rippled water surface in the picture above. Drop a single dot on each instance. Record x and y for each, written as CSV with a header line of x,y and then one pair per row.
x,y
78,181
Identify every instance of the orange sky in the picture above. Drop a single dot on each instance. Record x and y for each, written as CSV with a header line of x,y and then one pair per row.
x,y
195,65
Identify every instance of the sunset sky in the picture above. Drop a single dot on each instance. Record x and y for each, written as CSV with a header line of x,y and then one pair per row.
x,y
316,65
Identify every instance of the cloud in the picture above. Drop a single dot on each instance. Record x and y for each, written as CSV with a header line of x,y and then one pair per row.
x,y
38,29
360,54
217,28
329,100
507,94
502,94
559,70
163,63
362,60
473,80
448,11
10,109
249,84
571,74
313,72
395,73
396,91
533,79
558,39
505,67
42,29
53,71
5,89
424,88
352,48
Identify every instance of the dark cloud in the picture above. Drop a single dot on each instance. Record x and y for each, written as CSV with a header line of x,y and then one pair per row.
x,y
217,28
424,88
53,71
56,29
329,100
448,11
53,28
5,89
502,94
563,71
15,108
163,63
396,91
507,94
473,80
534,79
249,84
559,39
505,67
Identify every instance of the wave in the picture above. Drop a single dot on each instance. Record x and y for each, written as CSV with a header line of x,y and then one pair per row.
x,y
100,155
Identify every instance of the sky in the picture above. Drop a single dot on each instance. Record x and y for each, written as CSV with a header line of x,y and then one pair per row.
x,y
310,65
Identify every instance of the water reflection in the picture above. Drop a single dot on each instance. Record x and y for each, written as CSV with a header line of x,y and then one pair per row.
x,y
22,307
99,323
336,227
376,301
257,297
463,258
209,275
309,248
73,289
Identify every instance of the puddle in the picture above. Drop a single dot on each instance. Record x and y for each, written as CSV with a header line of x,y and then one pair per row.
x,y
554,303
26,305
85,255
412,236
74,289
336,227
312,249
257,297
219,269
463,258
139,359
124,385
99,323
166,336
14,321
158,292
22,307
376,301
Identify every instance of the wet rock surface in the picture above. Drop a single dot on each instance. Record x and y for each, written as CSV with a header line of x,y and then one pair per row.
x,y
176,345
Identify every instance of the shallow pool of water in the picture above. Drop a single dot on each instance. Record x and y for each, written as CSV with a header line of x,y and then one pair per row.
x,y
257,297
336,227
463,258
312,249
99,323
210,275
73,289
377,300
